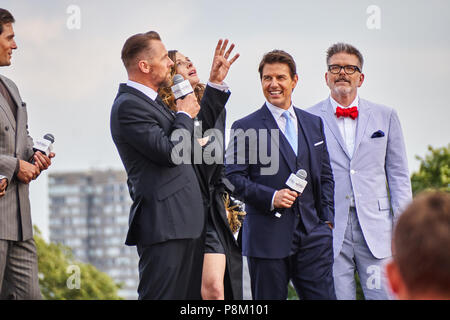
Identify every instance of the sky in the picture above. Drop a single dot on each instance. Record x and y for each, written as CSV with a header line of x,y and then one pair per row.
x,y
68,68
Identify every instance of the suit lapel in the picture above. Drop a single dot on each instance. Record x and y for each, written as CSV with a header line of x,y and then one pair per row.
x,y
281,144
364,113
303,130
328,115
14,94
313,161
164,110
4,105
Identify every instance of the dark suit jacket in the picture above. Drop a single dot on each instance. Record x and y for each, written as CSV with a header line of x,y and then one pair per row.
x,y
15,143
167,202
264,235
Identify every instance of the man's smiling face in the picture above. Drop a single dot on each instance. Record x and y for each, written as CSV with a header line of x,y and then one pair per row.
x,y
277,84
7,44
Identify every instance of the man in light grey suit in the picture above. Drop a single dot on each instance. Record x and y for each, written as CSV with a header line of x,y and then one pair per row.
x,y
18,257
372,184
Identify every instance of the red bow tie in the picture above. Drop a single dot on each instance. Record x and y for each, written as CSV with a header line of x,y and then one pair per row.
x,y
347,112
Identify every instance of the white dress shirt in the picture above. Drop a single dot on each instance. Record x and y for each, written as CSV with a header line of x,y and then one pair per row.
x,y
347,126
277,114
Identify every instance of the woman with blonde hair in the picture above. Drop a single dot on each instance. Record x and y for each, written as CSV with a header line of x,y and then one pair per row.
x,y
222,263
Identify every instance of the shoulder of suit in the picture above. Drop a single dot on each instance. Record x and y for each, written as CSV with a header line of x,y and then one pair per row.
x,y
5,78
375,107
8,81
251,118
308,114
316,109
129,93
126,101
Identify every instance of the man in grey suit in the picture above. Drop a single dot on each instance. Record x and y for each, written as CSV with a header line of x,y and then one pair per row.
x,y
368,158
18,257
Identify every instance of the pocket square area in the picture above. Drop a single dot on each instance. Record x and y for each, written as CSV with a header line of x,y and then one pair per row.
x,y
378,134
318,143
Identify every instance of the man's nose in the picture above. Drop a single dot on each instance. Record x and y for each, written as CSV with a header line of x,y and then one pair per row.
x,y
273,83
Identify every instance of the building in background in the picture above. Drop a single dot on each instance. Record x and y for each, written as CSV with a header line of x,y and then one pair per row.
x,y
89,213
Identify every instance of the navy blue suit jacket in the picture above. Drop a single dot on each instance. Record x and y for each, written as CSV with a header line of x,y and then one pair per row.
x,y
263,234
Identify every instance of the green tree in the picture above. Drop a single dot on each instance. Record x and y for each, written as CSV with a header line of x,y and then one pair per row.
x,y
434,171
63,278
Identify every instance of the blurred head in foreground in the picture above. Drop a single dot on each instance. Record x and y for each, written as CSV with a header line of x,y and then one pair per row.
x,y
420,268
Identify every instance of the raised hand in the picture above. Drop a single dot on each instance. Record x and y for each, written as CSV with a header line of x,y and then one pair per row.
x,y
221,64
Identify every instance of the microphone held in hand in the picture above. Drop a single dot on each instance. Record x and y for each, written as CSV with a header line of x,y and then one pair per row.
x,y
296,182
181,88
45,144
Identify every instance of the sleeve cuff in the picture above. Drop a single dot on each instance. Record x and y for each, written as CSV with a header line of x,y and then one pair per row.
x,y
271,204
184,113
16,171
222,87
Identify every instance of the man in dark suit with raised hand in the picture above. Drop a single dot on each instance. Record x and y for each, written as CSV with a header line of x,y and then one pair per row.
x,y
286,236
167,217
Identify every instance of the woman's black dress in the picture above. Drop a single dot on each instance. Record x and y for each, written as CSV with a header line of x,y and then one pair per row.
x,y
218,235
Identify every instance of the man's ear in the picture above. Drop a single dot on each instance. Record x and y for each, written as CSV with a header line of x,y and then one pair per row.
x,y
361,79
395,279
144,66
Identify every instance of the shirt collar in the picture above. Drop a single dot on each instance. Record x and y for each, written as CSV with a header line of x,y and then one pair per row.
x,y
149,92
335,104
278,112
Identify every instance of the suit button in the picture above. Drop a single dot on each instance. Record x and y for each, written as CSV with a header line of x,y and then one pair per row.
x,y
6,128
347,197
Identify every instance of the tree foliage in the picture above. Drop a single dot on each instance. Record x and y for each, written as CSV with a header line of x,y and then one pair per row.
x,y
434,171
61,277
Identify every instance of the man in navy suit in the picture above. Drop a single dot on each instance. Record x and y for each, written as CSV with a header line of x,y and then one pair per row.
x,y
286,235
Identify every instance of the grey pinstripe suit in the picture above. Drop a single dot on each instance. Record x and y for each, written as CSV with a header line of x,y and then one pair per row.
x,y
18,257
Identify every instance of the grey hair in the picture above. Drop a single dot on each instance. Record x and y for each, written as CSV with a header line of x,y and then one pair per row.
x,y
347,48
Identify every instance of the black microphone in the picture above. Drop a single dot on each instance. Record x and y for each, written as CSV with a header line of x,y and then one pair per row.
x,y
296,182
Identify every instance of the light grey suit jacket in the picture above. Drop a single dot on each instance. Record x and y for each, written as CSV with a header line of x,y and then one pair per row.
x,y
377,173
15,143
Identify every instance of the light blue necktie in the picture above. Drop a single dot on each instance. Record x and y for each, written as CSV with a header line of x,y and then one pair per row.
x,y
290,132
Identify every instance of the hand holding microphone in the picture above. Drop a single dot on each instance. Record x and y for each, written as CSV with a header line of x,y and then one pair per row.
x,y
285,198
184,96
43,152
